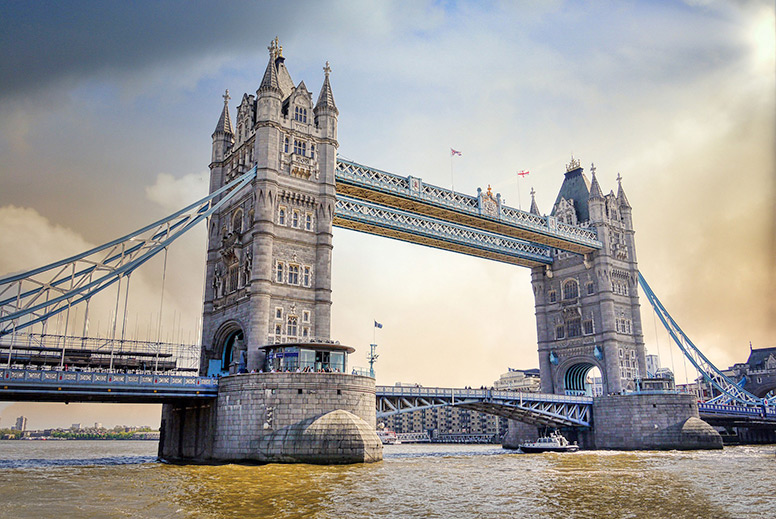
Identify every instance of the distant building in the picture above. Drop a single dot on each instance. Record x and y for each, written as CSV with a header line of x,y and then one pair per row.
x,y
75,427
21,424
447,420
519,380
97,425
759,370
653,364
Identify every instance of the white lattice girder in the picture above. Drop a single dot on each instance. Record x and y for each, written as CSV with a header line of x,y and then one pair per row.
x,y
384,221
413,195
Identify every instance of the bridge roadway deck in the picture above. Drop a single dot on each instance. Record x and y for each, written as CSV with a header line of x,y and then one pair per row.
x,y
25,385
534,408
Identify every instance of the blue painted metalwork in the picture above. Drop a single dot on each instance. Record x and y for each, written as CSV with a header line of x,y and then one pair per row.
x,y
94,386
376,219
730,392
413,195
36,295
536,408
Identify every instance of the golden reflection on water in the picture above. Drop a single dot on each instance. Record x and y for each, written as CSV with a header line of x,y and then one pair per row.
x,y
414,481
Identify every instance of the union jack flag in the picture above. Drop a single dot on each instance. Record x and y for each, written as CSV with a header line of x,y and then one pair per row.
x,y
453,152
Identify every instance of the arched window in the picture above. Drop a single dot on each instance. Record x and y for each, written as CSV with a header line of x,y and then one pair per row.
x,y
570,289
282,216
295,219
279,272
285,145
237,221
308,222
291,326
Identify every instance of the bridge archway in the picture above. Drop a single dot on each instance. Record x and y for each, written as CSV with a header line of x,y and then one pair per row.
x,y
229,342
578,377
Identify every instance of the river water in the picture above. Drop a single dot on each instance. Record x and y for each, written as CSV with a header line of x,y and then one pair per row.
x,y
121,479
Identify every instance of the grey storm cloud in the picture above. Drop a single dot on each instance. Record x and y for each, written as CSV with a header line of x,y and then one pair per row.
x,y
45,43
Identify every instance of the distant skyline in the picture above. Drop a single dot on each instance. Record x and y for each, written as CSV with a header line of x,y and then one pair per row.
x,y
106,113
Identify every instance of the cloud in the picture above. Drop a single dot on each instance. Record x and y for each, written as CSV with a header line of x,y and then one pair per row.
x,y
176,193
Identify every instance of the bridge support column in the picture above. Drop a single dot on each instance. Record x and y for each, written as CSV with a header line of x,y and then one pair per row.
x,y
651,422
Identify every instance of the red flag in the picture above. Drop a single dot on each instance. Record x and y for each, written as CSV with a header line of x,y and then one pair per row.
x,y
524,173
453,152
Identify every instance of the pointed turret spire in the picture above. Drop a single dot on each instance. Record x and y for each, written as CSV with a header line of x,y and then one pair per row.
x,y
326,97
534,207
595,189
269,83
225,122
621,198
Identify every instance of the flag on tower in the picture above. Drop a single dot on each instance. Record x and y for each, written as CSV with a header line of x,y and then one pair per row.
x,y
378,325
524,173
453,152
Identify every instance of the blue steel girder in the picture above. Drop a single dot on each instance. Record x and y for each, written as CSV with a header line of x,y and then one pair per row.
x,y
31,297
375,219
534,408
730,391
412,195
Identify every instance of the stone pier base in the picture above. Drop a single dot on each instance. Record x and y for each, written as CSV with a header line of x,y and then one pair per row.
x,y
660,421
276,418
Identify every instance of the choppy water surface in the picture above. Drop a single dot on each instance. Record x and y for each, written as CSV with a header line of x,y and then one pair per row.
x,y
107,479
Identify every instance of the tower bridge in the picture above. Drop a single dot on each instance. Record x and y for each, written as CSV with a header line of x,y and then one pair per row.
x,y
277,189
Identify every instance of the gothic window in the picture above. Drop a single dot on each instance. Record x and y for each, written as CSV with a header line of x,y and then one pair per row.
x,y
282,216
308,222
306,277
304,148
560,332
300,114
553,296
300,147
306,331
575,327
278,312
295,219
293,274
279,272
570,289
237,221
234,276
285,145
306,316
312,151
278,329
588,327
291,326
590,288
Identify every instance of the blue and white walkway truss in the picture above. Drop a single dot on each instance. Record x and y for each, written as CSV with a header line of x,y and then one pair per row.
x,y
375,219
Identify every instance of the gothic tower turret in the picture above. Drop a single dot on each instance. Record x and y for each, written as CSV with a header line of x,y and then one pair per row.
x,y
269,255
587,308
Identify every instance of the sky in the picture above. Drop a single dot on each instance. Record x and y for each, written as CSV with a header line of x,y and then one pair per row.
x,y
107,111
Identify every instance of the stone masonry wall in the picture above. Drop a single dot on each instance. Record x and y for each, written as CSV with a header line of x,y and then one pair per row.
x,y
651,421
254,405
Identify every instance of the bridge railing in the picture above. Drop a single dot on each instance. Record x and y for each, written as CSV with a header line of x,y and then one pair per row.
x,y
737,410
107,380
462,394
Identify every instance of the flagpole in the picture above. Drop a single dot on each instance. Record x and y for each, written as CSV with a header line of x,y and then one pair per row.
x,y
452,179
520,207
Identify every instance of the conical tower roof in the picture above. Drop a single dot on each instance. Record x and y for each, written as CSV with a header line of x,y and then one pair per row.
x,y
534,207
326,97
595,189
621,198
225,122
270,83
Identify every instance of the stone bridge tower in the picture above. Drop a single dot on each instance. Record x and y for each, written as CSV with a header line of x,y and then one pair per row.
x,y
268,275
587,307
